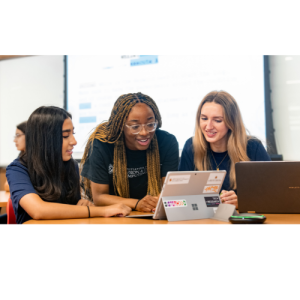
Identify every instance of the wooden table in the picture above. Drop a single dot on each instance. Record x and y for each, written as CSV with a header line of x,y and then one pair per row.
x,y
4,196
271,219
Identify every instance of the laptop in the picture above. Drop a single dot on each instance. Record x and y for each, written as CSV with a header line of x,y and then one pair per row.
x,y
268,187
188,195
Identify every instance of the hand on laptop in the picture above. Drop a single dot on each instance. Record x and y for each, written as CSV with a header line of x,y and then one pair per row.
x,y
229,197
147,204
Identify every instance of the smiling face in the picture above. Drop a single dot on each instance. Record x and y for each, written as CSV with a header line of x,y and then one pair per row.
x,y
141,113
69,140
213,126
20,140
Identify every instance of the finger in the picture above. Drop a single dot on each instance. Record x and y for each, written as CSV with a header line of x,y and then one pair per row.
x,y
147,208
231,202
230,193
144,207
149,203
232,197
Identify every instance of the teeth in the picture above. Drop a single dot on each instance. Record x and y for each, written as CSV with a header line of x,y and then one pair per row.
x,y
143,140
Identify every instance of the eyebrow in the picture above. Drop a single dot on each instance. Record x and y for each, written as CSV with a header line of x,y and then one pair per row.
x,y
68,130
213,117
139,120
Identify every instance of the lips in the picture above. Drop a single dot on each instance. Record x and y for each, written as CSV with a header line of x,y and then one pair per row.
x,y
143,142
210,134
70,151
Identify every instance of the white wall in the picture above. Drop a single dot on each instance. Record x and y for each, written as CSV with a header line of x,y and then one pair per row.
x,y
25,84
285,99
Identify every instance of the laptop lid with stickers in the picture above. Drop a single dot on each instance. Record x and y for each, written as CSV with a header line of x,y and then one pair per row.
x,y
190,195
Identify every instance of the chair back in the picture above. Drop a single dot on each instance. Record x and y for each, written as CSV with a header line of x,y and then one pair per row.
x,y
11,218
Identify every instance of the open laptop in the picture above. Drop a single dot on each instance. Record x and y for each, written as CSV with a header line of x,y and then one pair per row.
x,y
188,195
268,187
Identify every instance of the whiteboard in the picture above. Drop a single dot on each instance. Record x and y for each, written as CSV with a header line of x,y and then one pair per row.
x,y
177,83
26,84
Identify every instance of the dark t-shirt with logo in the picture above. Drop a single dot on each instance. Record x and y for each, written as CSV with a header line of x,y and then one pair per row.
x,y
99,164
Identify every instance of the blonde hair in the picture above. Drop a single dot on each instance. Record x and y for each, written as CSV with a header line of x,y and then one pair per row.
x,y
112,132
237,136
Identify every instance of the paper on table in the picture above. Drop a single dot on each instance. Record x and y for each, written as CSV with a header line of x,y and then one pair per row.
x,y
224,212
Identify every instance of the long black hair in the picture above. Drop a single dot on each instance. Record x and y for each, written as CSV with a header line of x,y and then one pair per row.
x,y
52,178
22,126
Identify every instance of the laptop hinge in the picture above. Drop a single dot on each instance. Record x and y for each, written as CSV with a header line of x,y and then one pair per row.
x,y
251,212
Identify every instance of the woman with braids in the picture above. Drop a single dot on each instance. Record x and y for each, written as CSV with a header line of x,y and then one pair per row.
x,y
220,142
127,158
44,180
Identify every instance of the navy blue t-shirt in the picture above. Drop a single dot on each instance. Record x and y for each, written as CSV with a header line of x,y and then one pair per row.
x,y
20,185
255,151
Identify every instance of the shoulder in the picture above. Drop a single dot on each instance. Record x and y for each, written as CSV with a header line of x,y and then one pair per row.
x,y
16,165
188,146
256,151
164,136
253,144
99,148
101,145
189,143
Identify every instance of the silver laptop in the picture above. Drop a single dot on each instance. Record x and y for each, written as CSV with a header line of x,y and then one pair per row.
x,y
189,195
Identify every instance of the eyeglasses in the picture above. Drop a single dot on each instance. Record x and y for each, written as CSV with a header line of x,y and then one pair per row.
x,y
18,135
136,129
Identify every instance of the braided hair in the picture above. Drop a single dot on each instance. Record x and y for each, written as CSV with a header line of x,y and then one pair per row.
x,y
112,132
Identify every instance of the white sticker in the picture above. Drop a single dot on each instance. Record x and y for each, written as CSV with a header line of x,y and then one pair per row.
x,y
215,178
211,189
179,179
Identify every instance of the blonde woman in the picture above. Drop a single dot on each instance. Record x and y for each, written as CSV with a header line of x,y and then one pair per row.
x,y
220,142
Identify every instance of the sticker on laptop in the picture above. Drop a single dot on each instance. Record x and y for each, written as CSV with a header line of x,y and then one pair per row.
x,y
212,201
174,203
215,178
179,179
211,189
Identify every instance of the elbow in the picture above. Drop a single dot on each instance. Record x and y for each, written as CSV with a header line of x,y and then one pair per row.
x,y
99,201
37,214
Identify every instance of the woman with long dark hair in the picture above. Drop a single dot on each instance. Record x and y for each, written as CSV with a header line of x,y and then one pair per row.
x,y
19,140
44,180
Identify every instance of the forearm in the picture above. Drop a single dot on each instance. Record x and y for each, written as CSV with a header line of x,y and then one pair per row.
x,y
106,199
42,210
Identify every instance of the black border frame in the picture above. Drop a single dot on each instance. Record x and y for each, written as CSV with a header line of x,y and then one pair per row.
x,y
270,137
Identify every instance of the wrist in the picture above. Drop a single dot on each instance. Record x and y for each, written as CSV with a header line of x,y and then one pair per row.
x,y
136,204
131,203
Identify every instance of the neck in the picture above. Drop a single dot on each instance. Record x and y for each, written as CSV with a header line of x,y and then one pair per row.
x,y
218,147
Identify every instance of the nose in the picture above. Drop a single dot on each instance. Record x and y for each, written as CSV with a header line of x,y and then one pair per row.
x,y
73,141
209,125
143,131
